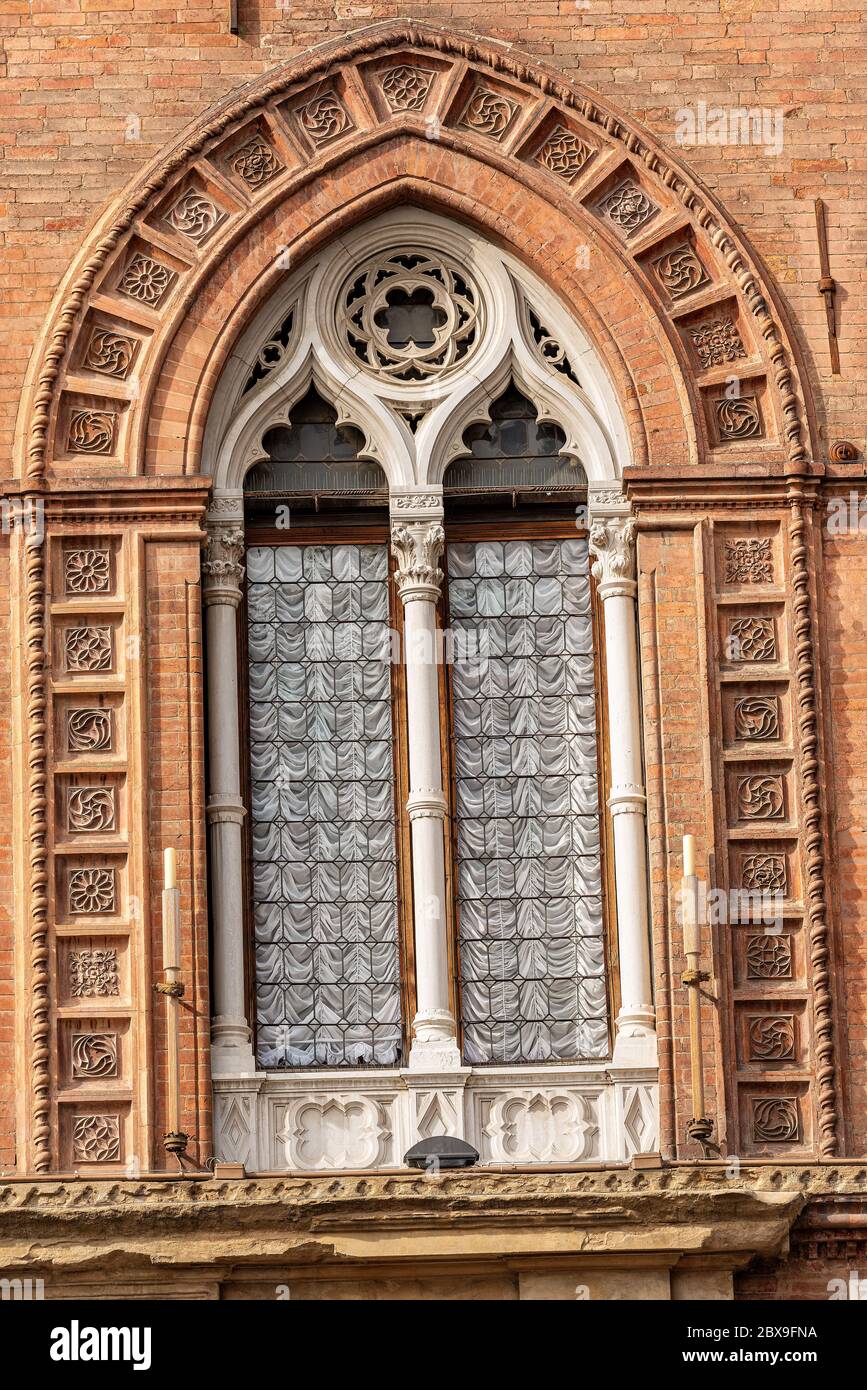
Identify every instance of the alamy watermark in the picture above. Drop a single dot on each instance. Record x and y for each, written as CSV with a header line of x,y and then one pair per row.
x,y
729,125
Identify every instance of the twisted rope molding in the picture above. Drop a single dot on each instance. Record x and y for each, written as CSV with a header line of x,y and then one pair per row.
x,y
40,998
250,100
812,834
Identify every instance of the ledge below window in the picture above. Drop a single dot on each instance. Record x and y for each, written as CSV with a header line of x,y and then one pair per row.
x,y
338,1120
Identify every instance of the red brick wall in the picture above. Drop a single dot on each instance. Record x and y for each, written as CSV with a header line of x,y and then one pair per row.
x,y
83,78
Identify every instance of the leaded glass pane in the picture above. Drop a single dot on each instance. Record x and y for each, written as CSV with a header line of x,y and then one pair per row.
x,y
529,871
323,824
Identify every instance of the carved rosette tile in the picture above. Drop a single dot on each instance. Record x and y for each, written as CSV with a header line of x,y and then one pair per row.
x,y
764,873
757,718
145,280
406,88
90,810
488,113
564,154
87,648
739,418
91,431
716,342
88,731
94,1055
94,973
541,1127
628,207
87,571
769,957
749,560
680,271
751,639
255,162
194,215
96,1138
91,891
110,353
323,119
775,1120
771,1037
760,797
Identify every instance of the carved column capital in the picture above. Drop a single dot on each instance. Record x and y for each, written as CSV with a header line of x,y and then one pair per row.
x,y
418,546
612,545
221,567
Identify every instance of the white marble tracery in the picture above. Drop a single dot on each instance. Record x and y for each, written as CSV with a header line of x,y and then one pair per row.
x,y
413,429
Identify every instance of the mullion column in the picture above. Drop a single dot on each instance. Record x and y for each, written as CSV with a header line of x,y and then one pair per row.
x,y
612,544
417,539
223,573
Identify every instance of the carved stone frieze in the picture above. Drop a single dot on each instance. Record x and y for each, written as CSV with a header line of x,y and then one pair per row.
x,y
751,639
628,207
564,154
88,648
336,1131
540,1127
324,119
738,418
488,112
757,718
776,1120
771,1037
87,571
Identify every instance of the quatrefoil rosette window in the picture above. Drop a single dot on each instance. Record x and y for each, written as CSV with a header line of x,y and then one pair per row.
x,y
410,327
410,316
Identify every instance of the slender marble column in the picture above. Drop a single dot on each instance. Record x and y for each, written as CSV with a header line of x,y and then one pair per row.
x,y
223,572
612,545
417,540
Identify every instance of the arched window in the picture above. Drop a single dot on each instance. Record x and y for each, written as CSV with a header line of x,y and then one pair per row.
x,y
407,479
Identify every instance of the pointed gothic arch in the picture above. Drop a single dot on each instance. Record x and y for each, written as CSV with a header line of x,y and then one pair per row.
x,y
670,297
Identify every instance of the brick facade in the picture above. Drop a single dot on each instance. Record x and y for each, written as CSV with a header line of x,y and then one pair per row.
x,y
108,118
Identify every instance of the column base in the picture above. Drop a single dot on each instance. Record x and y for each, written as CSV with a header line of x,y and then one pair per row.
x,y
635,1039
231,1048
434,1045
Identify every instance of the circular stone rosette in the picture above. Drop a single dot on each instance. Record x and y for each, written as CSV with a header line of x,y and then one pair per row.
x,y
385,283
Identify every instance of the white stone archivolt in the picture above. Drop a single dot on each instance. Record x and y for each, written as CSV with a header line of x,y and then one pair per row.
x,y
480,339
